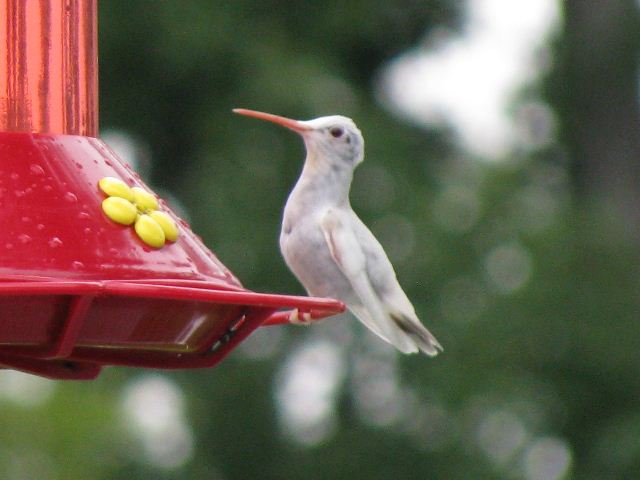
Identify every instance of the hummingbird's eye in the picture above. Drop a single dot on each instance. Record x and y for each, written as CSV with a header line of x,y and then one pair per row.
x,y
336,132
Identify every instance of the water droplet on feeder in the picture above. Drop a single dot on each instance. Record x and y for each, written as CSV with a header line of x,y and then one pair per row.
x,y
84,216
40,226
24,238
36,169
48,188
87,231
70,197
14,176
26,219
55,242
77,265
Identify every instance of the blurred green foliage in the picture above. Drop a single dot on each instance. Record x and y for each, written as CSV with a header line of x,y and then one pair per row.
x,y
532,290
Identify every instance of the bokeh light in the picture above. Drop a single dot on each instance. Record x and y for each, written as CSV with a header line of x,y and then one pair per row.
x,y
24,389
547,458
508,267
307,391
154,410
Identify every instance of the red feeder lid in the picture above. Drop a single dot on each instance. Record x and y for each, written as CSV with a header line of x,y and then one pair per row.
x,y
94,268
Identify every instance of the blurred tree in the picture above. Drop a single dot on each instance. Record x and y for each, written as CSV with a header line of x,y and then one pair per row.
x,y
599,93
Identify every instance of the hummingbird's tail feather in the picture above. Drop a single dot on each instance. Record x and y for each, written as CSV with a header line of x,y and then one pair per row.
x,y
390,334
405,333
418,333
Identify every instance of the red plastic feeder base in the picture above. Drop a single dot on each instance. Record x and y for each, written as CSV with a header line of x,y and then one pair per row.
x,y
79,291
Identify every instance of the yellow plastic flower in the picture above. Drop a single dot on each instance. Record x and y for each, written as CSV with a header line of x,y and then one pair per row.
x,y
133,205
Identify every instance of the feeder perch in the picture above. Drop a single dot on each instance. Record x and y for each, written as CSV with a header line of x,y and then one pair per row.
x,y
95,270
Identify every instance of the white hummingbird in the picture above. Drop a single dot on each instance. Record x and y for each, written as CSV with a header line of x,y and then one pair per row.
x,y
329,249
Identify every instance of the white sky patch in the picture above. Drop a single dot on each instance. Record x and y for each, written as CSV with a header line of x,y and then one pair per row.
x,y
469,81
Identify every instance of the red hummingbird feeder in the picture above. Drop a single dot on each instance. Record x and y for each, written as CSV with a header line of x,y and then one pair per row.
x,y
95,270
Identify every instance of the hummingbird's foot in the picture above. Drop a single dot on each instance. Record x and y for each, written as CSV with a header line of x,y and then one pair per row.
x,y
296,319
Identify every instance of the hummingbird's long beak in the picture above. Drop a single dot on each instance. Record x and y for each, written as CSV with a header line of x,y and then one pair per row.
x,y
294,125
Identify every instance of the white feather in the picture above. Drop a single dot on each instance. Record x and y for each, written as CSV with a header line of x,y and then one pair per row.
x,y
384,316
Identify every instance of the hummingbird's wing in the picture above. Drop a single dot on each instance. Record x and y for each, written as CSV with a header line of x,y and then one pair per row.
x,y
403,330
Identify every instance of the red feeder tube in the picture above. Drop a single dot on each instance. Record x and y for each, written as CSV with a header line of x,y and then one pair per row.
x,y
95,270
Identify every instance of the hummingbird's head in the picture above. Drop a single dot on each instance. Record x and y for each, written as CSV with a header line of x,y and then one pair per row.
x,y
334,139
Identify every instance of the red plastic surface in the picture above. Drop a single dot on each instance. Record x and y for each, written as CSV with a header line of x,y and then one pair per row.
x,y
78,290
